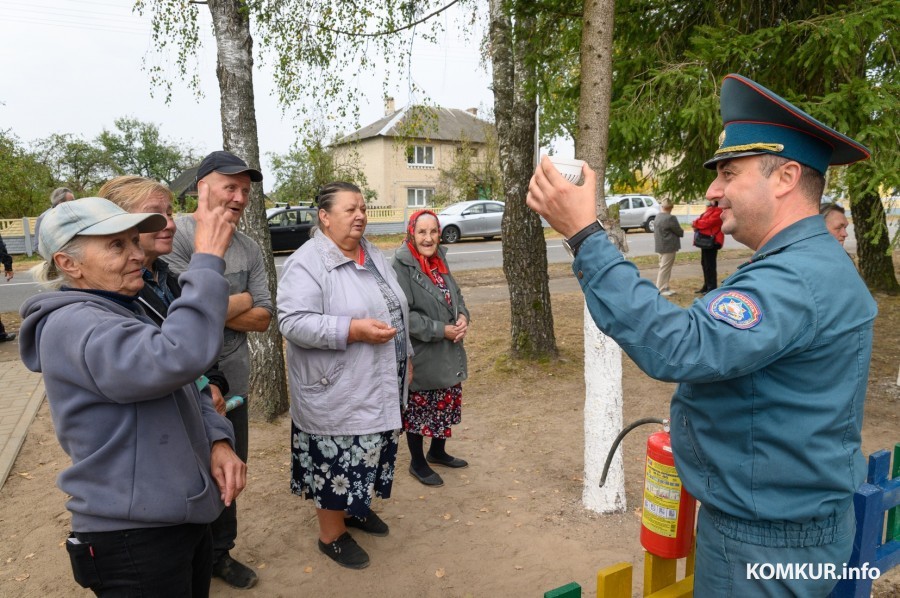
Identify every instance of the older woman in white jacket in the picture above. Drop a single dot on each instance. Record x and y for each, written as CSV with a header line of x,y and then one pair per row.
x,y
346,320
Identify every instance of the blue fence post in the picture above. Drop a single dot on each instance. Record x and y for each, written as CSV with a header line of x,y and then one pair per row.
x,y
869,519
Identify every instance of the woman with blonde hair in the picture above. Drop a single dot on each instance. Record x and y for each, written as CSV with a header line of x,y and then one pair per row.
x,y
138,195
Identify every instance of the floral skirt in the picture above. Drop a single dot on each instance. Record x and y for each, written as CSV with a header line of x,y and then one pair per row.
x,y
432,412
342,473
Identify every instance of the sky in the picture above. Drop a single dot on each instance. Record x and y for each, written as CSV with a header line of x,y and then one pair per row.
x,y
74,66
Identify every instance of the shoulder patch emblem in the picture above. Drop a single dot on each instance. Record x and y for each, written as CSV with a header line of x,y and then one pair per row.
x,y
735,308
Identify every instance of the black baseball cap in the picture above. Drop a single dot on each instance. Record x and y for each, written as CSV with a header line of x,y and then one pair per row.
x,y
226,163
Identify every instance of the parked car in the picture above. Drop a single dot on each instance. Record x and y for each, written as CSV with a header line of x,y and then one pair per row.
x,y
471,219
289,227
635,211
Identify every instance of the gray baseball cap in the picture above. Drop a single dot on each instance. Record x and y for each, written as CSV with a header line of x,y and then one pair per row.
x,y
92,216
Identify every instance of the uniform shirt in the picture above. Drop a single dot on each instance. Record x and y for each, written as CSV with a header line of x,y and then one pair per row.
x,y
772,366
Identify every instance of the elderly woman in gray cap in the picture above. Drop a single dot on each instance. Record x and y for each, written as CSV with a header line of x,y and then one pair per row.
x,y
152,462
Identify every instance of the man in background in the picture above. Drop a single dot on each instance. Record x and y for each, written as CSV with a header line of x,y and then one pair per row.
x,y
835,221
667,237
58,196
249,310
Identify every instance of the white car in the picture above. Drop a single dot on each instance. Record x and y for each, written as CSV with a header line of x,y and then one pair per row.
x,y
635,211
480,218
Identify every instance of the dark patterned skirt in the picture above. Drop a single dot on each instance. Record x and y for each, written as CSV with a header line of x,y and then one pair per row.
x,y
432,412
342,473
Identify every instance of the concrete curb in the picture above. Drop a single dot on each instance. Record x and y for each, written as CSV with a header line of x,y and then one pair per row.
x,y
23,394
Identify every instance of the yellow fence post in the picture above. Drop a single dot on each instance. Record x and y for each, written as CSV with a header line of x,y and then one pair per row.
x,y
615,581
658,572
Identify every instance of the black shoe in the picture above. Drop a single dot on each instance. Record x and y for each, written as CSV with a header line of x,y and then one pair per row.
x,y
345,552
371,524
701,291
10,336
234,573
447,461
431,479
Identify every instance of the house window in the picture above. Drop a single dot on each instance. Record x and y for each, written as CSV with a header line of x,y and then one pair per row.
x,y
419,198
420,155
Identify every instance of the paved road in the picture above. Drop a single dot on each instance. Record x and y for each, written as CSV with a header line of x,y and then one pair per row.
x,y
465,255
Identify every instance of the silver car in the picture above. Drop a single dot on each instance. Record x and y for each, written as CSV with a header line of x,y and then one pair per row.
x,y
471,219
635,211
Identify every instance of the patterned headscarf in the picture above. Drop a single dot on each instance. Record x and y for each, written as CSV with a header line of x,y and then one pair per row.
x,y
426,264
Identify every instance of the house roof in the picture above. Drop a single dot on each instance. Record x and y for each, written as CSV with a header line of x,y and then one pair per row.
x,y
186,183
437,124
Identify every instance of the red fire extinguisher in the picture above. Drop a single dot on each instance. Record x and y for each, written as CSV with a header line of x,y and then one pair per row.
x,y
668,511
667,517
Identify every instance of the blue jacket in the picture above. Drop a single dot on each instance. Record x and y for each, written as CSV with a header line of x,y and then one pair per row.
x,y
772,366
124,404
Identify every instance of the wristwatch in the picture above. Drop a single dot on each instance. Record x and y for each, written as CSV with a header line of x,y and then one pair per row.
x,y
578,238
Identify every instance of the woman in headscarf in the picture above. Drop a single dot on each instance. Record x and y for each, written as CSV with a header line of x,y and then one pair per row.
x,y
438,322
345,319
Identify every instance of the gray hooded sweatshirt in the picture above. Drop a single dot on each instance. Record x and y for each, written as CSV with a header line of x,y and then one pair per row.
x,y
124,404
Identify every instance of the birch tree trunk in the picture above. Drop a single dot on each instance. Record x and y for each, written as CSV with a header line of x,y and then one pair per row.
x,y
234,69
524,247
602,356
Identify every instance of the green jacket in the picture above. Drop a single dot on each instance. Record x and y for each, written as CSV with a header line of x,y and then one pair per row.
x,y
438,362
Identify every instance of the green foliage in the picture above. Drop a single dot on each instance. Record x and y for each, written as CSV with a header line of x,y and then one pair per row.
x,y
31,172
301,172
473,174
74,162
836,59
25,183
318,48
136,148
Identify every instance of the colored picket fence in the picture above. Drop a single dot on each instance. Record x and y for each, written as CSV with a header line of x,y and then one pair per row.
x,y
876,544
660,580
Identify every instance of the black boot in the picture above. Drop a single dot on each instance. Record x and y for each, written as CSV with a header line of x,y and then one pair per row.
x,y
437,454
418,466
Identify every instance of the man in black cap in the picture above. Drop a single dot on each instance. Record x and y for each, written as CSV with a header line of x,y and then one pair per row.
x,y
772,366
249,309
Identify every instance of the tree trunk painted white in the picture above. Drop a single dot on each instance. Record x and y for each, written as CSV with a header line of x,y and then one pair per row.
x,y
602,356
602,419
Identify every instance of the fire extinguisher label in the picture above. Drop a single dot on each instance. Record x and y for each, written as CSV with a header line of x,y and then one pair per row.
x,y
662,491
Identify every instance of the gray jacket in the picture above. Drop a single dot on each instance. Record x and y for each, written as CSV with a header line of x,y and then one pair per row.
x,y
124,404
438,362
338,388
668,233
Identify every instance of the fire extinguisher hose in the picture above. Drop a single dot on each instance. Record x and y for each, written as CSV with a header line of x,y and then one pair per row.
x,y
622,434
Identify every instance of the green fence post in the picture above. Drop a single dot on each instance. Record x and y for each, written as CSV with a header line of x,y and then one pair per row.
x,y
570,590
893,522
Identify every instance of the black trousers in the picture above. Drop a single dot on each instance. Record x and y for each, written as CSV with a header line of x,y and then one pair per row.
x,y
708,263
224,529
154,561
